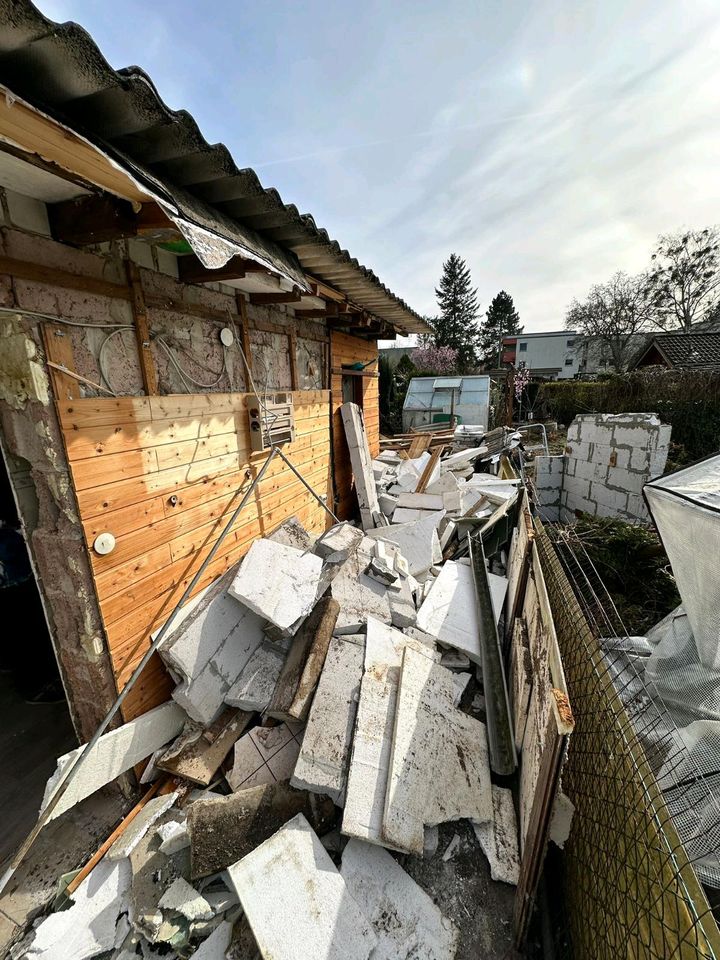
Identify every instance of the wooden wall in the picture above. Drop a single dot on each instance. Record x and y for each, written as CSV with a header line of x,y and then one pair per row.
x,y
348,349
129,456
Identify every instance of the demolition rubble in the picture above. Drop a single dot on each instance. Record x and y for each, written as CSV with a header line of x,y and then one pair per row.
x,y
329,714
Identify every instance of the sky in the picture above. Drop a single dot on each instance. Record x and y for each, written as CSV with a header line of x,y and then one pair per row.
x,y
547,142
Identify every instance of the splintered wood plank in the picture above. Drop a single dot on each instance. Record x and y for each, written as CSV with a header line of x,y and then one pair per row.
x,y
142,328
58,347
439,767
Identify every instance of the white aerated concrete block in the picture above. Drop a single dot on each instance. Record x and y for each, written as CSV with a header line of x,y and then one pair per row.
x,y
342,539
323,918
499,838
114,753
255,686
184,898
383,889
278,583
418,541
325,752
359,596
352,418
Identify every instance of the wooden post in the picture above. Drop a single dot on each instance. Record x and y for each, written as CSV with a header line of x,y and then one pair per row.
x,y
142,330
58,349
292,349
245,336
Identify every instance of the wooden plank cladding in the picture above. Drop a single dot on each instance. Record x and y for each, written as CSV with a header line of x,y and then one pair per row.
x,y
346,349
163,474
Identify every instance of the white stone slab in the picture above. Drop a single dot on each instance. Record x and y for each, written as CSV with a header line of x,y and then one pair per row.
x,y
449,611
421,501
88,927
384,890
361,462
139,826
439,768
371,751
325,753
322,919
499,838
278,583
114,753
418,541
255,685
445,483
463,457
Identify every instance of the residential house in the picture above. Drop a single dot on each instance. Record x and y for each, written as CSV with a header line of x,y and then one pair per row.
x,y
681,351
550,355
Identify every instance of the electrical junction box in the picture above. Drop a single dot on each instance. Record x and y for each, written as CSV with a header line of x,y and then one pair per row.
x,y
272,420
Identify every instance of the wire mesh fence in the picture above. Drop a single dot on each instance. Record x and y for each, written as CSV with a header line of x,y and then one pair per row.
x,y
646,825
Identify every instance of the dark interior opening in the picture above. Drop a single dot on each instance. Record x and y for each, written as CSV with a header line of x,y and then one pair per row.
x,y
34,714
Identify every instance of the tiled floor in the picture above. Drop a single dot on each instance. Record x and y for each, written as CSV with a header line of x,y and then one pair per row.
x,y
265,755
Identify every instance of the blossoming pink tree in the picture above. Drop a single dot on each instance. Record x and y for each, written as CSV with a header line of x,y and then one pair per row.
x,y
435,359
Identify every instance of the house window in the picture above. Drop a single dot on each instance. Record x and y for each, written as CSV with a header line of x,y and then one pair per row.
x,y
523,347
571,343
568,361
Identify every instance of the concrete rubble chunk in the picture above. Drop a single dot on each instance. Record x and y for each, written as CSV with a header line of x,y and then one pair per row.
x,y
402,605
325,920
371,749
114,753
225,830
361,462
278,583
325,752
139,825
265,755
184,898
359,596
418,541
215,946
439,768
343,538
254,688
445,483
421,501
406,921
173,836
499,838
293,534
449,612
89,926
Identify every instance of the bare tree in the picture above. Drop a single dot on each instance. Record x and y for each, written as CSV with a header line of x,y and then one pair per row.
x,y
612,315
684,280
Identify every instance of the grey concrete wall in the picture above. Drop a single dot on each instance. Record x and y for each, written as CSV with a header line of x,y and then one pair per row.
x,y
610,457
549,478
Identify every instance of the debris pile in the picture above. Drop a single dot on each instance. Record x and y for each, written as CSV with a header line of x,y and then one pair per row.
x,y
327,710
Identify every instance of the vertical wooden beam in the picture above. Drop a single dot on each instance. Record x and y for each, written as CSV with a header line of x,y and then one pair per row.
x,y
292,350
58,348
142,330
245,335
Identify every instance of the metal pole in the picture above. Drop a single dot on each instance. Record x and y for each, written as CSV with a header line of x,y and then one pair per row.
x,y
501,741
306,485
72,770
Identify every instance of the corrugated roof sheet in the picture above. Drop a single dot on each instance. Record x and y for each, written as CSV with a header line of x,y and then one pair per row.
x,y
59,69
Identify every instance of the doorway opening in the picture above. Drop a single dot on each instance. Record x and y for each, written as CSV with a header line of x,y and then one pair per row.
x,y
34,714
352,389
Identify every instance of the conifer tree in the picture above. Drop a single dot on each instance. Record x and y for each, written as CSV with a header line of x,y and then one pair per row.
x,y
457,326
501,320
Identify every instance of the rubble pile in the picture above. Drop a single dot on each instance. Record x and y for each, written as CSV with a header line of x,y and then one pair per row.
x,y
327,716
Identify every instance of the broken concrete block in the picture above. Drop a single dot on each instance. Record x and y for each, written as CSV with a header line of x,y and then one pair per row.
x,y
278,583
454,660
361,462
298,678
384,890
380,571
114,753
292,533
439,768
324,755
174,836
139,825
183,898
89,926
343,538
387,503
449,612
254,688
359,596
464,457
216,945
371,751
421,501
325,919
265,755
224,830
499,838
402,605
418,541
445,483
409,515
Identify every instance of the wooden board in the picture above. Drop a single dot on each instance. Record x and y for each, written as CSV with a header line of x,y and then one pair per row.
x,y
163,474
346,349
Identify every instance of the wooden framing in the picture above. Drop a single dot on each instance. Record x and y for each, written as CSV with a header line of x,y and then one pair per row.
x,y
142,330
